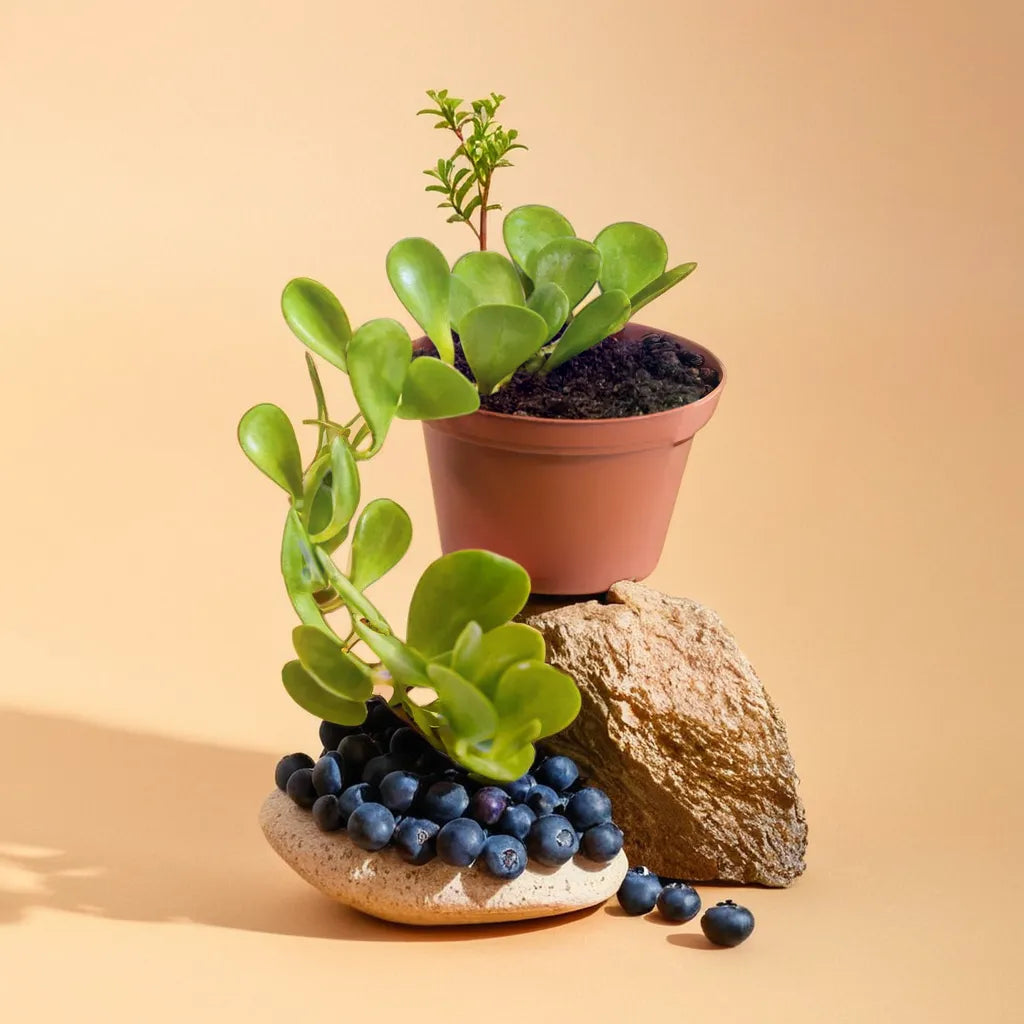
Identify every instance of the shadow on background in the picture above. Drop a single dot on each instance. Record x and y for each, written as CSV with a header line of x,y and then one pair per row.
x,y
103,821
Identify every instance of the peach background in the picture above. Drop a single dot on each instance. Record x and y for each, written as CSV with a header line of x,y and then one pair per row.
x,y
848,177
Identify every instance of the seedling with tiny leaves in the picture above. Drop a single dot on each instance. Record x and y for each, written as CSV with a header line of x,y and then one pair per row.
x,y
493,693
527,309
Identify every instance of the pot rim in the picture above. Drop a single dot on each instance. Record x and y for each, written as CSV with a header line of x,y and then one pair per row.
x,y
711,398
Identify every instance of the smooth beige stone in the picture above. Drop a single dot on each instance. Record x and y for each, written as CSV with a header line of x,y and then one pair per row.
x,y
383,885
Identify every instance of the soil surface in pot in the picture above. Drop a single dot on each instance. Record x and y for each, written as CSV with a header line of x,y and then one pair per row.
x,y
615,378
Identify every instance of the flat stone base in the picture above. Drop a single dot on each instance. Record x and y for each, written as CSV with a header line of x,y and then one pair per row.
x,y
384,886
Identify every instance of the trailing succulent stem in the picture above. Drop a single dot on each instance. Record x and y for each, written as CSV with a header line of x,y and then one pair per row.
x,y
468,677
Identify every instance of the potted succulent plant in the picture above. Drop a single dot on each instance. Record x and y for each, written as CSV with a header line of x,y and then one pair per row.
x,y
428,741
566,451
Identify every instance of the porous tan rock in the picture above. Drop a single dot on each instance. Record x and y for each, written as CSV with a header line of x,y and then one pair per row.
x,y
678,730
383,885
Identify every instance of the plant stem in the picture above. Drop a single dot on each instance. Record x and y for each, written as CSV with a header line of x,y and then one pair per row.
x,y
482,235
321,402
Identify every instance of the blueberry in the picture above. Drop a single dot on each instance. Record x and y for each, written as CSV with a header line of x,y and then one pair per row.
x,y
516,821
602,842
354,796
370,826
520,789
407,743
300,787
588,807
432,762
460,842
398,791
415,840
487,805
356,751
287,766
727,923
445,801
377,768
379,716
679,902
327,814
639,891
557,772
504,857
331,734
327,776
552,840
543,800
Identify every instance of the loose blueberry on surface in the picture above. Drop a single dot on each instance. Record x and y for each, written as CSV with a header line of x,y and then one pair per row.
x,y
679,902
301,789
370,826
601,843
287,766
487,805
398,791
504,857
557,772
543,800
445,801
727,923
355,796
327,814
516,821
552,840
639,891
460,842
520,789
356,752
588,807
414,840
327,776
377,768
331,734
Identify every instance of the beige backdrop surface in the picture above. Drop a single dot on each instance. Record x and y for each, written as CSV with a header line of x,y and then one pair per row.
x,y
848,177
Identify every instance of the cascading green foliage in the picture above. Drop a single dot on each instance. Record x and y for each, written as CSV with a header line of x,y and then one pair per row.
x,y
528,308
493,695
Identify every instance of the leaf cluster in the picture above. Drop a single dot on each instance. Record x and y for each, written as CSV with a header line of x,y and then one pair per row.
x,y
472,680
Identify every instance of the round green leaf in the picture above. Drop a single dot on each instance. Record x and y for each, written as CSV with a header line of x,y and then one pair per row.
x,y
463,587
466,651
605,315
344,492
662,284
267,437
311,696
408,669
336,670
497,340
381,538
531,689
552,303
469,714
511,765
571,263
435,391
420,276
302,574
320,511
527,229
460,301
632,256
378,360
317,319
491,279
501,648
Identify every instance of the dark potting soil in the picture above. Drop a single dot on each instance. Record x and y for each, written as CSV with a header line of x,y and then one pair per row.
x,y
615,378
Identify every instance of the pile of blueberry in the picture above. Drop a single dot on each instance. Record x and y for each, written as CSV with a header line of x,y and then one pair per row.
x,y
725,924
387,787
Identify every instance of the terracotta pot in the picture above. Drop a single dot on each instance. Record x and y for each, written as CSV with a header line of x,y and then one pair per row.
x,y
580,504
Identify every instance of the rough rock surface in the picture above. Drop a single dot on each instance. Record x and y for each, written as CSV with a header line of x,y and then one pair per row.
x,y
383,885
679,731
